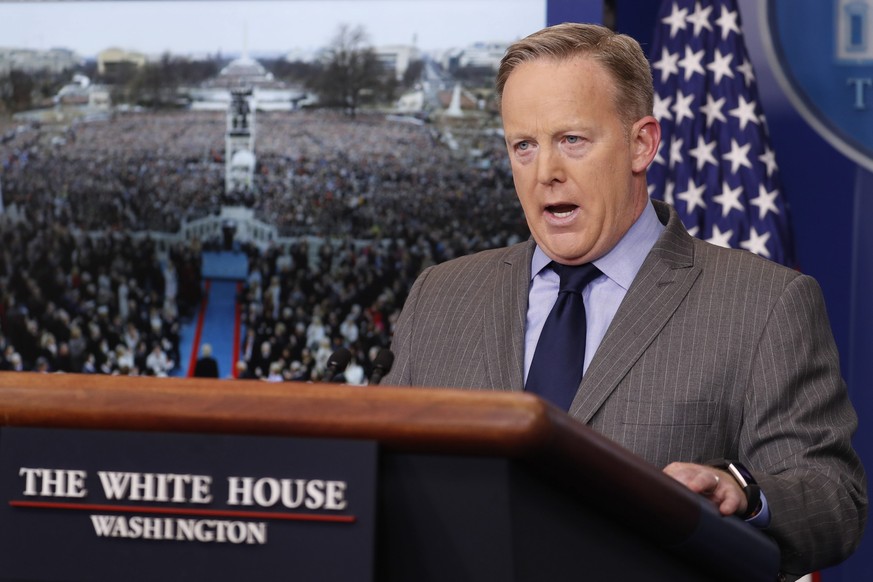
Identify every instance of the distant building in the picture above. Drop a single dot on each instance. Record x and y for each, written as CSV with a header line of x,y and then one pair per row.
x,y
299,55
81,93
243,72
266,93
112,62
397,58
34,61
75,93
479,54
483,54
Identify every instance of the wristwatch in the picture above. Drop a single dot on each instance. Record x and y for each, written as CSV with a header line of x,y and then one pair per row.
x,y
746,482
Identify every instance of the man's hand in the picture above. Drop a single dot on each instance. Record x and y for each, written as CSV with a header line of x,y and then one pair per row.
x,y
714,484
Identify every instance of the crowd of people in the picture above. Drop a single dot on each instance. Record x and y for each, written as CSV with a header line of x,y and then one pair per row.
x,y
129,172
297,313
382,199
325,176
318,173
76,302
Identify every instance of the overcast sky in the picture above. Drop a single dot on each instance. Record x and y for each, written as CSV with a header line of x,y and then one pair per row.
x,y
209,26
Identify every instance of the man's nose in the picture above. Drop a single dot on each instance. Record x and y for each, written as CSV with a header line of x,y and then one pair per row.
x,y
550,166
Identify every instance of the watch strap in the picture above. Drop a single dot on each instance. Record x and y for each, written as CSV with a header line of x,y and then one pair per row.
x,y
745,480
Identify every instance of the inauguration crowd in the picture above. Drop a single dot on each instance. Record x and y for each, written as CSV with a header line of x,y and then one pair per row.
x,y
73,302
362,207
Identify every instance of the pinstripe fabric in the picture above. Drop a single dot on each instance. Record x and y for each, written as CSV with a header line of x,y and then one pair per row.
x,y
713,353
463,323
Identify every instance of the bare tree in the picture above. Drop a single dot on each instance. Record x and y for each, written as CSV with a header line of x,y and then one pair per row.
x,y
350,69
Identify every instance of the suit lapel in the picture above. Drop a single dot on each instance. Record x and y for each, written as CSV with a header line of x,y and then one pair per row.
x,y
662,283
504,319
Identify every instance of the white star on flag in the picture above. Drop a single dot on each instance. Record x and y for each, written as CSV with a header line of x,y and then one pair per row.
x,y
682,108
676,152
738,156
676,19
659,159
661,107
721,66
712,109
720,238
693,196
769,160
667,65
703,152
668,193
744,112
729,199
700,18
766,201
757,243
691,63
727,21
715,149
748,74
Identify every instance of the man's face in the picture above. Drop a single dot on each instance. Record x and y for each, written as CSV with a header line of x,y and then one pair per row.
x,y
577,169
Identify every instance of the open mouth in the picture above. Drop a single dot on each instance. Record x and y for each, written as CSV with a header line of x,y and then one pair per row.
x,y
561,210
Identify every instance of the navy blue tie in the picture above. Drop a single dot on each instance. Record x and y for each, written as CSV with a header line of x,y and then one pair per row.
x,y
556,369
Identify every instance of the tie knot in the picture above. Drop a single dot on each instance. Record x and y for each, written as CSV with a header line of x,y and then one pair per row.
x,y
574,278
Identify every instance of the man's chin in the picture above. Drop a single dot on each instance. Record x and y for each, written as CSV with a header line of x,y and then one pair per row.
x,y
566,256
563,247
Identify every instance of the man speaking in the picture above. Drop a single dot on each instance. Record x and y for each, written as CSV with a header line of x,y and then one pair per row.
x,y
715,364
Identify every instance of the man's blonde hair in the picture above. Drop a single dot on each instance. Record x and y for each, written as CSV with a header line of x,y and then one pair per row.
x,y
620,55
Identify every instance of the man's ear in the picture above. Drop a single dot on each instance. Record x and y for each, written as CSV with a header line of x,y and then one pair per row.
x,y
645,139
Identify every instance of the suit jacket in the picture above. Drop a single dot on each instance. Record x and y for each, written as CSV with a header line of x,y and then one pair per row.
x,y
206,367
714,353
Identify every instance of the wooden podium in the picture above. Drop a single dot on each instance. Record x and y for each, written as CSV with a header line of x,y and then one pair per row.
x,y
471,485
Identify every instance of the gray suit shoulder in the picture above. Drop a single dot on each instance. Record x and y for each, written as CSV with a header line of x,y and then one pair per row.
x,y
678,249
460,270
723,262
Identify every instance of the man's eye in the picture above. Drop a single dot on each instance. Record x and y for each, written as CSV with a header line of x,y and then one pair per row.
x,y
523,145
573,139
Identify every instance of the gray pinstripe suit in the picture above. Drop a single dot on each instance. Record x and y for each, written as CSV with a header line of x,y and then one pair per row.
x,y
713,353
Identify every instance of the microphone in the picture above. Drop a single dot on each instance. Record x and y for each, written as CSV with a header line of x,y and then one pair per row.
x,y
381,365
336,363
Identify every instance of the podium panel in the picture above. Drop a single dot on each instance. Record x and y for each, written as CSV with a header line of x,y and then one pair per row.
x,y
139,506
470,485
501,522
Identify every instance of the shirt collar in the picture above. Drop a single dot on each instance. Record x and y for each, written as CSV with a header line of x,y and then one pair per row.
x,y
622,263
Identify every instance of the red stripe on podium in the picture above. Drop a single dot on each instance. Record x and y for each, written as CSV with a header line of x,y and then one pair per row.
x,y
185,511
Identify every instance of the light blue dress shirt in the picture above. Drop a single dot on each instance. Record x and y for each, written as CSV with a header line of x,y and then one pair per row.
x,y
619,267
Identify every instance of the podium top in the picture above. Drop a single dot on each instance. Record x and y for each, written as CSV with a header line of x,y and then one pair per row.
x,y
515,425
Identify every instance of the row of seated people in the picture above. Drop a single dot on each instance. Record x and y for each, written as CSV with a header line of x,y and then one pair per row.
x,y
297,314
73,302
108,304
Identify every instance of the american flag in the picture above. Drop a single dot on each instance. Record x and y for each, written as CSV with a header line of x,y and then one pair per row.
x,y
715,164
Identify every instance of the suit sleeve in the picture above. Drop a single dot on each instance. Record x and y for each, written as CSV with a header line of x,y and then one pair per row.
x,y
797,428
401,371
